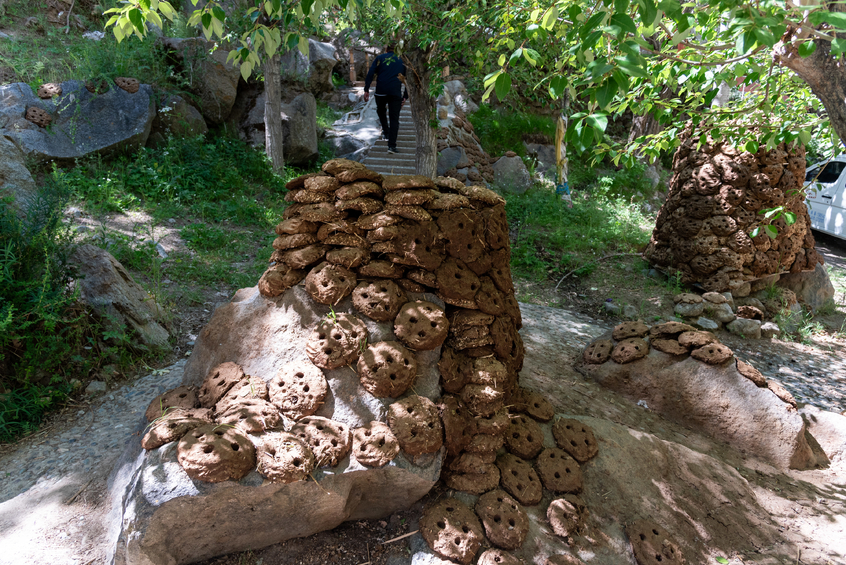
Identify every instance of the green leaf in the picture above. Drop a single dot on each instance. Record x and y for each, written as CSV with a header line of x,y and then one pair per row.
x,y
807,49
551,17
621,78
805,136
218,13
764,37
515,56
648,12
722,560
789,218
137,21
621,6
503,85
630,66
605,93
206,19
838,46
531,56
557,86
771,231
591,23
835,19
756,232
598,121
492,77
624,22
751,146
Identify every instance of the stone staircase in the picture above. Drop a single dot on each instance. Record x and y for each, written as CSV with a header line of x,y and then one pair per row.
x,y
401,163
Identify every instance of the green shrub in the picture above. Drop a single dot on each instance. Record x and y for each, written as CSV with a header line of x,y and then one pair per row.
x,y
500,131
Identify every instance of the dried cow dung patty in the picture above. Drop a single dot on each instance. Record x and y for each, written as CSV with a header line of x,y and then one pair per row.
x,y
180,397
421,325
519,479
534,404
669,330
218,381
279,278
381,269
455,370
566,516
131,85
712,354
452,530
630,329
387,369
524,437
782,393
458,427
495,424
669,346
282,457
416,425
38,116
348,257
250,387
173,425
406,182
484,443
338,342
301,258
558,471
251,415
330,441
295,226
598,352
652,544
215,453
575,438
506,523
499,557
379,300
374,445
629,350
483,400
329,284
485,479
472,462
751,373
298,390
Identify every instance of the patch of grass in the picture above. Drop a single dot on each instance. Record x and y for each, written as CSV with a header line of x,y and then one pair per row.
x,y
501,131
549,239
202,237
326,116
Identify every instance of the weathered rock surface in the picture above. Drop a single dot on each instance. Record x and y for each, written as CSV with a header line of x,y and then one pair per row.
x,y
116,298
15,180
812,288
715,400
176,117
828,429
82,122
213,80
299,128
511,174
315,70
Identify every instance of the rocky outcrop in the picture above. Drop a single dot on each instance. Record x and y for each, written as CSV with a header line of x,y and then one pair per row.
x,y
690,378
458,144
715,199
77,123
315,70
211,77
510,174
811,288
16,182
177,118
299,127
116,299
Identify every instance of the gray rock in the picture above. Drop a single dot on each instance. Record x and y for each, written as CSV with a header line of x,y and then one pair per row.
x,y
83,123
16,183
715,400
5,36
510,174
452,158
739,289
315,71
116,299
94,35
730,299
829,429
745,327
175,117
630,312
299,126
613,309
750,301
343,143
357,156
212,79
687,310
95,387
769,330
706,324
544,156
813,288
764,282
460,97
720,312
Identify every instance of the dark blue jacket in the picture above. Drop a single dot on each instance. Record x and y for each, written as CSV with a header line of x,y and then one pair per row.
x,y
386,66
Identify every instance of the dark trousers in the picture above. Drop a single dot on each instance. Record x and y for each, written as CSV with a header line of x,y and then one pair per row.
x,y
390,122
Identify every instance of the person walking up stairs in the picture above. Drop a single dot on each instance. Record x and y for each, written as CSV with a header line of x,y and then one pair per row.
x,y
402,160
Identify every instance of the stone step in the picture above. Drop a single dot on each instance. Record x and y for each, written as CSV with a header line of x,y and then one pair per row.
x,y
395,171
387,163
382,146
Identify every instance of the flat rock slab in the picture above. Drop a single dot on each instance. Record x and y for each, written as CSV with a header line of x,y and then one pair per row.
x,y
166,518
715,400
82,122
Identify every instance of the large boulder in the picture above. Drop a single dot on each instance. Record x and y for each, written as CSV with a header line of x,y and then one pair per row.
x,y
15,181
457,92
80,122
116,299
212,78
168,518
713,399
176,117
452,158
299,126
315,70
510,174
813,288
544,157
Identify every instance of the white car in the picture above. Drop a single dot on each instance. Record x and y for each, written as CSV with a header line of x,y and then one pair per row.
x,y
827,196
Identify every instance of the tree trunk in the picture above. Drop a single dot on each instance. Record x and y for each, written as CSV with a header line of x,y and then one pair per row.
x,y
422,109
273,112
824,74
